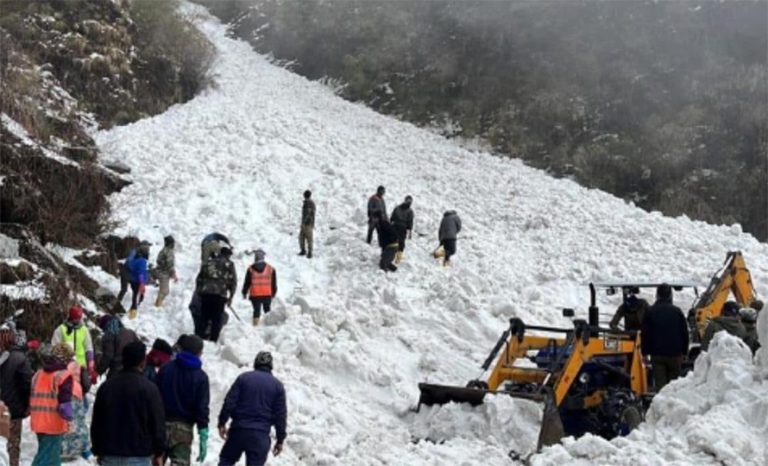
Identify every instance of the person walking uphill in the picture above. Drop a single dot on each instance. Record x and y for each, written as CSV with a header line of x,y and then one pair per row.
x,y
450,227
665,337
115,338
15,385
389,244
402,220
307,225
377,209
128,425
74,333
260,285
165,269
255,403
216,285
185,391
50,403
135,272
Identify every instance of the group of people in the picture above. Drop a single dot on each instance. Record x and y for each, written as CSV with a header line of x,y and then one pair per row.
x,y
665,330
146,410
392,231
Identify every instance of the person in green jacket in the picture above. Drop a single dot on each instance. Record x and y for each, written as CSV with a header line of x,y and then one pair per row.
x,y
74,333
728,321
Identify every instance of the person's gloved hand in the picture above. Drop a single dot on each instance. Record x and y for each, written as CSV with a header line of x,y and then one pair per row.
x,y
142,288
94,376
66,411
203,434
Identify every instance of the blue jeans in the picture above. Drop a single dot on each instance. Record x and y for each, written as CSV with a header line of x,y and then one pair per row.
x,y
125,461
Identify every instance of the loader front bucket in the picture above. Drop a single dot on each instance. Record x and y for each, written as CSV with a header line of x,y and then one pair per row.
x,y
432,394
552,430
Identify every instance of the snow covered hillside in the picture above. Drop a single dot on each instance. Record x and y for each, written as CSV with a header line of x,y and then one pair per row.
x,y
350,342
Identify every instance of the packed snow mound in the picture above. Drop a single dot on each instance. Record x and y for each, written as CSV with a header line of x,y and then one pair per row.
x,y
716,415
350,342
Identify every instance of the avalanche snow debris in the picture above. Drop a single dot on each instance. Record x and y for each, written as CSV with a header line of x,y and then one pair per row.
x,y
351,343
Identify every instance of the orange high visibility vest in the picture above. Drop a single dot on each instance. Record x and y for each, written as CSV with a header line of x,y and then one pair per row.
x,y
44,403
261,282
77,387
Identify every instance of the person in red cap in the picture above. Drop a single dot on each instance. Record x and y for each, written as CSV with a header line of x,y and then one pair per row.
x,y
74,333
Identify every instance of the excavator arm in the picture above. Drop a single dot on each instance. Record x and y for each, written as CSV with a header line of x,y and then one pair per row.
x,y
732,278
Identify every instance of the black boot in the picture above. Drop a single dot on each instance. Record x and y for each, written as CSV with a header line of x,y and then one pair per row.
x,y
309,255
302,253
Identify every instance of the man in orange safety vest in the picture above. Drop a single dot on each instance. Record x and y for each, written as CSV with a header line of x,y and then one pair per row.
x,y
260,285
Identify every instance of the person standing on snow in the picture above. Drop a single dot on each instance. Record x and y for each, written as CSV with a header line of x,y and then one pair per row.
x,y
15,385
216,285
160,355
729,320
134,273
665,337
307,225
128,425
450,227
749,320
76,442
115,338
165,269
402,220
255,403
50,403
389,244
186,394
260,285
377,209
74,333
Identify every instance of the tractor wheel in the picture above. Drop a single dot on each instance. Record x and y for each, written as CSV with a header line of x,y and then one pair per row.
x,y
620,412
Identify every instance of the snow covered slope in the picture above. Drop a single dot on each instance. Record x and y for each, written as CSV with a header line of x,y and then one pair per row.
x,y
350,342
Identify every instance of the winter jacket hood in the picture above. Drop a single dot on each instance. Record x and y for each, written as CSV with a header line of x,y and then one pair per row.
x,y
189,360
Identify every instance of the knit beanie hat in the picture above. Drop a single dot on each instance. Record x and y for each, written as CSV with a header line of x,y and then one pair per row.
x,y
259,256
75,313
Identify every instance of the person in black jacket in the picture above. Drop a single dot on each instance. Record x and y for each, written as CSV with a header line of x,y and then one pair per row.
x,y
185,390
307,225
377,209
128,415
665,337
115,338
402,220
389,244
15,385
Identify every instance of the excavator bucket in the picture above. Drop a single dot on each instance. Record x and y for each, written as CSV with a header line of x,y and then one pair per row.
x,y
552,430
432,394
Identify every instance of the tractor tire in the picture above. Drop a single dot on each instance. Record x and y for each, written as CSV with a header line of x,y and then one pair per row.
x,y
620,413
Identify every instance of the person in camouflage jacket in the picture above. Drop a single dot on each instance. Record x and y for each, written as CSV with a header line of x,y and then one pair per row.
x,y
165,269
216,285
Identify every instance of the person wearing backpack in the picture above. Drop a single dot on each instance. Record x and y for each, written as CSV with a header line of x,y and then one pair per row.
x,y
216,285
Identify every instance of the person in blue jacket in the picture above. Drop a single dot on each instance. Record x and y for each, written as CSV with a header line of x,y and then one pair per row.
x,y
186,394
255,403
135,272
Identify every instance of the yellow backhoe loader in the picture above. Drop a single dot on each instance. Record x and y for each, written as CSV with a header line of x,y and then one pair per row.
x,y
733,278
590,378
